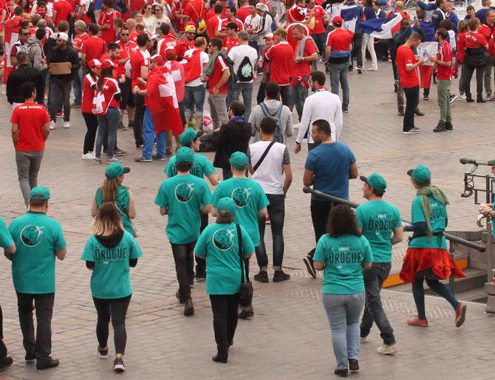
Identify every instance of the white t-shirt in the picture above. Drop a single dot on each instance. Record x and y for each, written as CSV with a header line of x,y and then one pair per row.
x,y
203,58
237,54
270,173
252,23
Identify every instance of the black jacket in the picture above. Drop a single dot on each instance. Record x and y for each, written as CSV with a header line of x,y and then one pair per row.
x,y
66,55
232,137
22,74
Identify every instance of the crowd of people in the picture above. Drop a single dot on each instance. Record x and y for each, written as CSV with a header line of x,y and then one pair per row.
x,y
147,66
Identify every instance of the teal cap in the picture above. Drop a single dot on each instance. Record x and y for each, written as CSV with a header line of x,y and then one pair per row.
x,y
115,169
421,174
376,181
39,193
184,154
239,160
226,204
188,136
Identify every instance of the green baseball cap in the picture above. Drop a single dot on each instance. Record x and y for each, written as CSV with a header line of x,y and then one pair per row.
x,y
188,136
115,169
376,181
239,160
184,154
39,193
226,204
421,174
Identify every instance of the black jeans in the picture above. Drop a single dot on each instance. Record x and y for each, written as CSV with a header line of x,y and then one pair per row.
x,y
468,74
286,96
116,309
261,93
319,217
435,285
373,311
412,101
276,212
184,266
91,128
138,120
356,49
3,348
224,307
59,96
320,41
43,304
200,262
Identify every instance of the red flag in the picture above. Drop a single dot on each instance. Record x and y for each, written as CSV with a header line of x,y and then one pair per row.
x,y
161,99
11,36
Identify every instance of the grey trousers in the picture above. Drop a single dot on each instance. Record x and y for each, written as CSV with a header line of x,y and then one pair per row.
x,y
218,109
28,166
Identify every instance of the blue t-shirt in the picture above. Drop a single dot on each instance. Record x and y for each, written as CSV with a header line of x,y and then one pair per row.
x,y
330,164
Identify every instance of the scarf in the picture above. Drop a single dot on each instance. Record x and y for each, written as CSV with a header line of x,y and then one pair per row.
x,y
210,66
439,196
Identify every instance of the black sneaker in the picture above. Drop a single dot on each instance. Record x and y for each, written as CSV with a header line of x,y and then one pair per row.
x,y
220,358
102,353
353,365
46,363
30,356
441,127
400,111
121,126
262,276
342,372
188,307
177,295
200,273
449,126
6,362
247,313
118,365
309,266
280,276
143,159
359,70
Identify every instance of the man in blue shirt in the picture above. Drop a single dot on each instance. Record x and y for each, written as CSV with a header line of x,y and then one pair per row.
x,y
328,169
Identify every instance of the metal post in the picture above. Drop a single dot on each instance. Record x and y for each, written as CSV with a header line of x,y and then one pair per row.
x,y
489,257
451,278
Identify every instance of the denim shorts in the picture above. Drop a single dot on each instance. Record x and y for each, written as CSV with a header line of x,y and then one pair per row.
x,y
194,98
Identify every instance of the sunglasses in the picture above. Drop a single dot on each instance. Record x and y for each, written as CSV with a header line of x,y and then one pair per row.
x,y
26,34
124,34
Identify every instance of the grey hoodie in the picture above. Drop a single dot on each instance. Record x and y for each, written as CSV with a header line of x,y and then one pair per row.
x,y
35,53
272,105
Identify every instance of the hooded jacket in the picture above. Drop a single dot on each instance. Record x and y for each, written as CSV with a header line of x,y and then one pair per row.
x,y
35,53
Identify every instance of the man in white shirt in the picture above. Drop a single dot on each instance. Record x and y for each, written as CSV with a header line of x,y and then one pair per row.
x,y
245,58
322,104
270,167
265,25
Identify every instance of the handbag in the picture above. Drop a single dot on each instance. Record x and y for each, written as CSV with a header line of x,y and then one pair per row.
x,y
246,289
263,156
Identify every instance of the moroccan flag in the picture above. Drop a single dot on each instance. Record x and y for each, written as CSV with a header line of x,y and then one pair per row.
x,y
161,99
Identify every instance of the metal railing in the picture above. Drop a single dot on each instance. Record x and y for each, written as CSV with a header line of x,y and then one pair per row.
x,y
451,238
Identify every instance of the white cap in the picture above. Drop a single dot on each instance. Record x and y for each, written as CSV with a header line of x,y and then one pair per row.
x,y
63,36
262,7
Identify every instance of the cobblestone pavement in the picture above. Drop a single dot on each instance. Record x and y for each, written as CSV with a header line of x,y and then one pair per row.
x,y
289,336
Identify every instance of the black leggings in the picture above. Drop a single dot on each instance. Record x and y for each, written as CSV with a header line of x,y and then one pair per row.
x,y
184,266
117,309
3,349
92,127
224,309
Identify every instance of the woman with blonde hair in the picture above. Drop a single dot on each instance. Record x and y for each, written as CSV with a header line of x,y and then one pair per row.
x,y
109,253
113,191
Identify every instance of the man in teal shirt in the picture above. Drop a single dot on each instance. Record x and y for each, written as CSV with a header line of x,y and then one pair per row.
x,y
183,197
381,224
39,240
250,201
8,245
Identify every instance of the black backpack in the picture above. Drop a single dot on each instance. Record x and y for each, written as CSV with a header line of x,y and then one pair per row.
x,y
245,70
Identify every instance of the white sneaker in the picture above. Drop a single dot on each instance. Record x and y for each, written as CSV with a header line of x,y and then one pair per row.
x,y
387,349
371,69
88,156
66,124
53,125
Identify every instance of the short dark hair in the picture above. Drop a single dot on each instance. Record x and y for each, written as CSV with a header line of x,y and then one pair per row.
x,y
237,108
37,202
443,32
93,29
218,9
272,90
164,28
63,26
323,126
217,43
108,3
183,166
18,10
415,36
26,90
342,221
232,9
112,46
268,126
142,39
319,77
40,33
232,25
446,24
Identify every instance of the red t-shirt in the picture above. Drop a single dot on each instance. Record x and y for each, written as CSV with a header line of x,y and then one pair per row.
x,y
79,39
243,12
405,56
290,34
318,13
444,54
475,40
88,94
195,9
93,47
183,46
63,9
30,119
304,68
211,13
109,89
240,24
461,44
229,43
214,23
218,70
139,59
107,18
281,57
339,39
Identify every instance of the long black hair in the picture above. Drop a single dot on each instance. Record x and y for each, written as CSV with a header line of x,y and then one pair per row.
x,y
342,222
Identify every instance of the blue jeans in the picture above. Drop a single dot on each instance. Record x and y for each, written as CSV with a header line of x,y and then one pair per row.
x,y
343,312
107,124
286,96
300,94
276,212
338,74
373,312
194,97
77,86
149,138
247,94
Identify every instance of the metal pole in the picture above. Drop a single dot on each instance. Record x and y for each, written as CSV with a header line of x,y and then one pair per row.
x,y
451,278
489,257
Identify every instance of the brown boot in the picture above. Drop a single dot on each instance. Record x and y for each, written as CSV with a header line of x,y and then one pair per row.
x,y
188,307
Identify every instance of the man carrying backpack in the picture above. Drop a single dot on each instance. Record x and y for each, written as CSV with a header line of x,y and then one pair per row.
x,y
245,58
272,107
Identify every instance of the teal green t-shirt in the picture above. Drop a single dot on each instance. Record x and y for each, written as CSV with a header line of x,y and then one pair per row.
x,y
183,196
110,277
219,244
377,219
438,223
36,237
5,237
201,167
343,257
122,201
249,200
